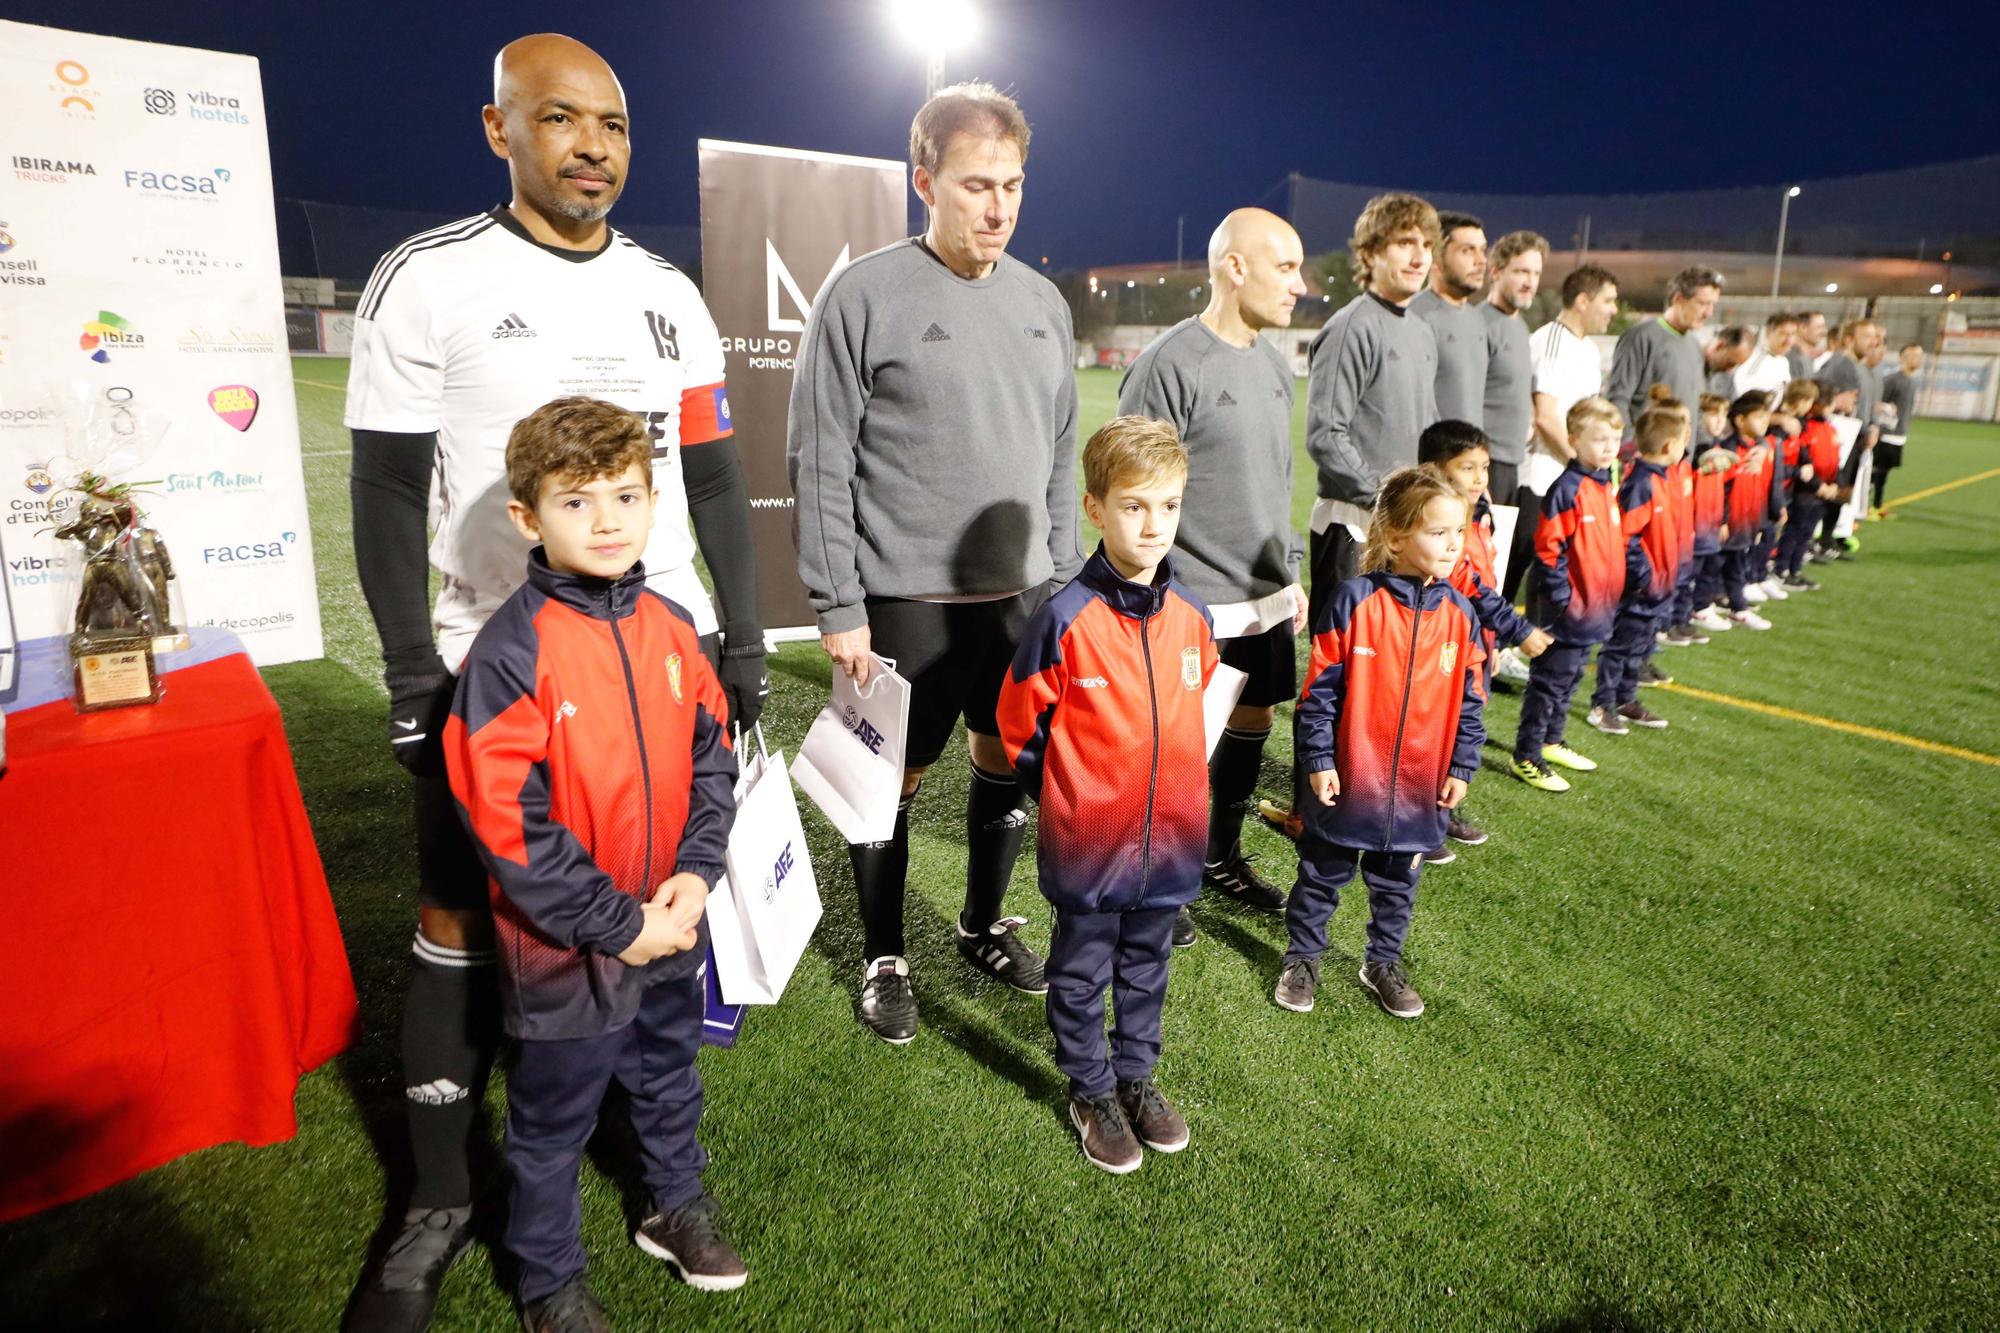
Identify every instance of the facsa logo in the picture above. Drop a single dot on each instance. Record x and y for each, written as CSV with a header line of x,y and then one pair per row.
x,y
200,105
178,184
51,170
269,552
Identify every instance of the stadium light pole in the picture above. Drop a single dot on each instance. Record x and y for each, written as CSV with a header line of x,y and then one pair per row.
x,y
936,28
1784,216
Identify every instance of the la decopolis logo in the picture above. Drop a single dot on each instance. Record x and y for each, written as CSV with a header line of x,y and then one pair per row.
x,y
107,331
196,104
271,551
178,184
236,404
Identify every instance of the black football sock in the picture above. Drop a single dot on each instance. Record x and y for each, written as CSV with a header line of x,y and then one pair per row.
x,y
995,823
451,1024
880,870
1232,781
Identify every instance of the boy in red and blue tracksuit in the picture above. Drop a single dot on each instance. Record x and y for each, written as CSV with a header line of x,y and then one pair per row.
x,y
1575,585
1814,481
586,750
1652,521
1711,501
1746,493
1101,716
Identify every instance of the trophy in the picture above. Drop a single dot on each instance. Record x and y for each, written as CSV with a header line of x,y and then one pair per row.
x,y
124,615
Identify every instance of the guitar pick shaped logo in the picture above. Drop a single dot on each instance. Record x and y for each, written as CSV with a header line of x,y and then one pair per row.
x,y
236,404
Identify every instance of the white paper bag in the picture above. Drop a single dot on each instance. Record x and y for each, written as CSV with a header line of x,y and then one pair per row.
x,y
1505,519
762,913
851,763
1218,701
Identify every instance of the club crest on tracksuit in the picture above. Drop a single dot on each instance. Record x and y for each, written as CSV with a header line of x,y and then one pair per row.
x,y
1191,668
674,676
1447,659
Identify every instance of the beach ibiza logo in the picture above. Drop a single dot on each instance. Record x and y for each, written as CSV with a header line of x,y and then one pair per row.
x,y
195,104
205,186
49,170
109,332
17,271
75,96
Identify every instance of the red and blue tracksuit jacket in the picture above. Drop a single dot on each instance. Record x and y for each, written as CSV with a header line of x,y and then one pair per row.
x,y
1746,491
1820,447
1680,485
588,754
1101,717
1652,526
1579,573
1474,577
1711,501
1784,461
1392,703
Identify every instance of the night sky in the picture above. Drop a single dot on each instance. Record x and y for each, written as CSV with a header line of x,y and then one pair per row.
x,y
1141,111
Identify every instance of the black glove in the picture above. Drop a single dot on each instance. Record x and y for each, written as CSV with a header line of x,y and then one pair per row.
x,y
419,703
744,684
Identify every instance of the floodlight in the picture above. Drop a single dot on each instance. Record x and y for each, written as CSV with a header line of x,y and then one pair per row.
x,y
1832,287
935,26
1794,193
1130,283
1937,289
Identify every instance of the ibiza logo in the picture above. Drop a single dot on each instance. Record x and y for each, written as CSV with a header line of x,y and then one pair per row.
x,y
674,676
1191,668
1447,659
666,338
73,90
50,170
108,331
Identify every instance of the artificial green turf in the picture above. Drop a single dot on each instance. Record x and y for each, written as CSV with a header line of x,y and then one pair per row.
x,y
1710,1042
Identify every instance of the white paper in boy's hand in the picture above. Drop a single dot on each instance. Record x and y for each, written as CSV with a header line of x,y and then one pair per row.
x,y
1218,701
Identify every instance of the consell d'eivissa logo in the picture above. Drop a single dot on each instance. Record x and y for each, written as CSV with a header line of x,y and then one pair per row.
x,y
17,271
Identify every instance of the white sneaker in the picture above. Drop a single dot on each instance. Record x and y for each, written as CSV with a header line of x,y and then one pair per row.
x,y
1750,620
1754,594
1774,588
1510,666
1710,619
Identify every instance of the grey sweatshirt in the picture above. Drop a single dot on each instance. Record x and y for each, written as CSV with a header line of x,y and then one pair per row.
x,y
932,435
1370,391
1900,392
1460,333
1233,408
1651,353
1510,385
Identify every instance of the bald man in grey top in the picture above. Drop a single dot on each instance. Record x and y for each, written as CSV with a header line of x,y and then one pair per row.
x,y
1229,394
1447,306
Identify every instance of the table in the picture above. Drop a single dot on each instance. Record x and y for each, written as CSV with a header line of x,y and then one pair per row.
x,y
169,959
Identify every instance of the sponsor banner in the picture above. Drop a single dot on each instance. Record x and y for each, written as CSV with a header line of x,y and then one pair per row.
x,y
1960,386
776,225
139,258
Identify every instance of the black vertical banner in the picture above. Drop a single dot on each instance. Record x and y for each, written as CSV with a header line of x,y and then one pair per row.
x,y
776,223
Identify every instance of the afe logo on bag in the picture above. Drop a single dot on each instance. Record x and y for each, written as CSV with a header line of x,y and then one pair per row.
x,y
774,883
1447,659
674,675
863,730
1191,668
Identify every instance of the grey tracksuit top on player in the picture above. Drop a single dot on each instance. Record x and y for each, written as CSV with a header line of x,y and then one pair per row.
x,y
932,435
1510,386
1651,353
1900,392
1460,333
1371,390
1233,408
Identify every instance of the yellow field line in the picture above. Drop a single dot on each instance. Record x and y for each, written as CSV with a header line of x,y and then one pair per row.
x,y
1929,491
1832,724
320,384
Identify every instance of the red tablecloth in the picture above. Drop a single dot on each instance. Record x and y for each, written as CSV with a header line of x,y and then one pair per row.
x,y
169,959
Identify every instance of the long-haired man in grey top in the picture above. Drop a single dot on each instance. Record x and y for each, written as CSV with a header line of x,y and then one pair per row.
x,y
932,450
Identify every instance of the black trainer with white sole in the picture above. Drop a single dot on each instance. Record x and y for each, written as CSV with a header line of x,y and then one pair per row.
x,y
404,1290
1000,953
888,1005
1236,879
690,1238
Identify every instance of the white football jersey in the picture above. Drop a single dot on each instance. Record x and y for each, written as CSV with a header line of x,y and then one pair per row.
x,y
468,328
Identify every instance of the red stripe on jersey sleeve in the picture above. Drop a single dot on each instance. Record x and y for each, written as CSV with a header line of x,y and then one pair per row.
x,y
705,414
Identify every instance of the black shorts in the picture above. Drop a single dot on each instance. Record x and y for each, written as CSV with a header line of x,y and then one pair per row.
x,y
449,873
1270,660
955,655
1887,456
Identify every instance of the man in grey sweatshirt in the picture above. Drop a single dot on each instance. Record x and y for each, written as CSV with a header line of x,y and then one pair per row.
x,y
1663,350
1446,305
1371,384
932,451
1515,266
1229,394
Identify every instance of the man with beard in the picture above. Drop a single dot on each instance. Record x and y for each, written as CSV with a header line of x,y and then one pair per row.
x,y
1509,407
1229,394
1456,324
461,332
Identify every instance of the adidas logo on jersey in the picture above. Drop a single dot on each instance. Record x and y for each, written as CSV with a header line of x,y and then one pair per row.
x,y
1093,682
1224,400
438,1092
514,327
934,334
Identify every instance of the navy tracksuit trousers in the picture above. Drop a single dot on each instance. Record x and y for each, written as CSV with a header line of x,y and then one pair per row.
x,y
1630,645
1552,680
1126,951
552,1102
1801,522
1324,869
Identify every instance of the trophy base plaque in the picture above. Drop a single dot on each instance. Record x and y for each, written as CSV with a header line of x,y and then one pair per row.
x,y
113,671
